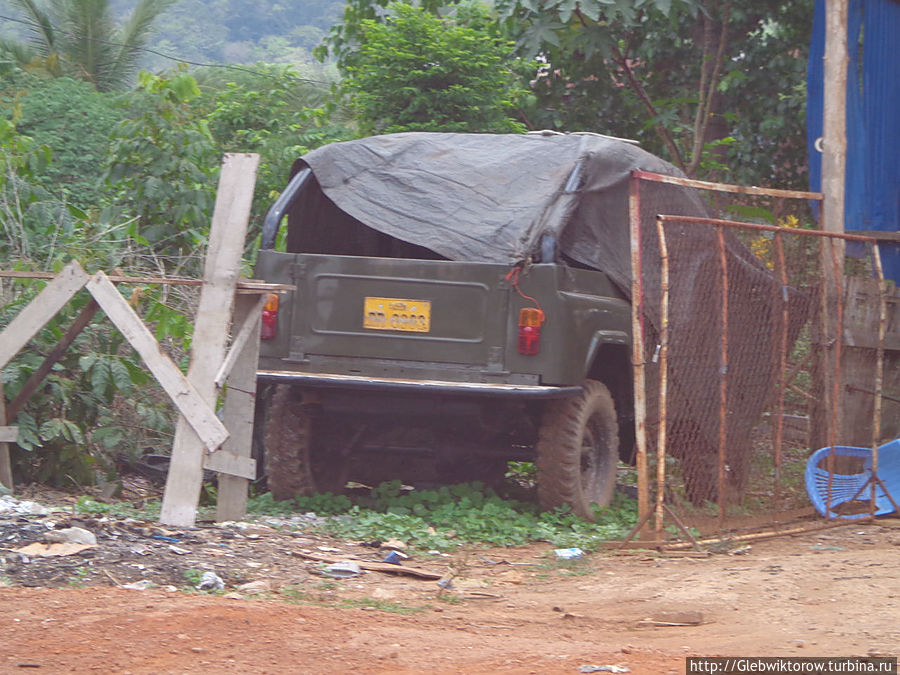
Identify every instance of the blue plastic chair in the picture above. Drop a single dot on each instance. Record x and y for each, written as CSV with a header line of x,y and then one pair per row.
x,y
846,487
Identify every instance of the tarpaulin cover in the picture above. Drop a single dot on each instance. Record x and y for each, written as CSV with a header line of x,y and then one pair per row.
x,y
485,197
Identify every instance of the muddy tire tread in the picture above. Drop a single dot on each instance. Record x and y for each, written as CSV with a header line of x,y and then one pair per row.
x,y
559,449
287,445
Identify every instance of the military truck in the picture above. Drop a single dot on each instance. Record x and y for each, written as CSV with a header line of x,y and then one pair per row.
x,y
461,300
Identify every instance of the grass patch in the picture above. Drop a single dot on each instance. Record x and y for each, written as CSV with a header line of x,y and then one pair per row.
x,y
381,605
451,516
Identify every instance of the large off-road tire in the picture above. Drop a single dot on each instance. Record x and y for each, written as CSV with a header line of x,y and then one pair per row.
x,y
296,461
578,451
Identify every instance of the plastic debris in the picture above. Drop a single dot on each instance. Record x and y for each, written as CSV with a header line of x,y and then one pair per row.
x,y
23,508
825,547
210,581
72,535
568,553
141,585
342,570
603,669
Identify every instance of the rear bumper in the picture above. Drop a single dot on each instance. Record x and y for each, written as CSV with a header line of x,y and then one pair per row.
x,y
432,386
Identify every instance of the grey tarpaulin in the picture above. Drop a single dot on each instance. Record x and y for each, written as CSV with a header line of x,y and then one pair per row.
x,y
485,197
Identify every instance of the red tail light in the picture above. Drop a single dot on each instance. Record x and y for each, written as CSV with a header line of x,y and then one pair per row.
x,y
269,324
530,320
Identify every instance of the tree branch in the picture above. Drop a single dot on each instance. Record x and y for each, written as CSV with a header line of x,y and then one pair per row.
x,y
709,82
663,133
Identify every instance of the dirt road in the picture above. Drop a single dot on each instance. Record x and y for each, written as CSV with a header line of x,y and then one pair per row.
x,y
835,593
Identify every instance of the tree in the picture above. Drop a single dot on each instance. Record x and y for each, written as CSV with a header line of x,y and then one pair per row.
x,y
419,72
74,121
274,111
162,168
79,38
692,71
715,86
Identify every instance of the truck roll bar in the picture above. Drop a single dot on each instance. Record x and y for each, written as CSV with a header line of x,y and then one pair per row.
x,y
282,204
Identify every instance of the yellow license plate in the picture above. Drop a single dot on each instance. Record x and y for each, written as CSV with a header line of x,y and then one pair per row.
x,y
397,314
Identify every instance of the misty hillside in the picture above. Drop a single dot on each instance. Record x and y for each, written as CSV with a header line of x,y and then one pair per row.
x,y
224,31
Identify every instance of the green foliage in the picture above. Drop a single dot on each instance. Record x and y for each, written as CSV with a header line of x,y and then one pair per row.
x,y
193,577
454,515
162,168
92,408
418,72
149,511
652,71
72,119
19,196
273,112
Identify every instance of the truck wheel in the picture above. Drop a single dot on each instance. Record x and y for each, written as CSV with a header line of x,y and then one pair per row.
x,y
295,462
578,451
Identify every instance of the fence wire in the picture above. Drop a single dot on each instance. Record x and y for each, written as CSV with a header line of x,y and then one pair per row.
x,y
763,339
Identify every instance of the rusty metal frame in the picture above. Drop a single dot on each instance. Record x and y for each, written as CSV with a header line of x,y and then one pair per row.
x,y
723,377
831,253
781,292
663,378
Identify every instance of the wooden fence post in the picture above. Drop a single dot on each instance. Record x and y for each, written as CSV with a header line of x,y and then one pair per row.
x,y
223,259
240,402
6,478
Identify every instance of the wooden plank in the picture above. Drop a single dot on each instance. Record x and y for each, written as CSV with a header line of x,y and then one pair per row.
x,y
183,394
37,377
221,272
230,464
252,286
9,434
249,326
6,477
40,310
240,403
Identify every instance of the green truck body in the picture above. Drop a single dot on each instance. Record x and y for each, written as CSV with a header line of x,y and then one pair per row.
x,y
459,301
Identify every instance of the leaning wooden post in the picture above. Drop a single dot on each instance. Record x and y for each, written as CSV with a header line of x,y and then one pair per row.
x,y
223,259
240,403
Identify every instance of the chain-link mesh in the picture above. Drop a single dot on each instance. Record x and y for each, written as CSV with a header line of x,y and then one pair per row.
x,y
764,339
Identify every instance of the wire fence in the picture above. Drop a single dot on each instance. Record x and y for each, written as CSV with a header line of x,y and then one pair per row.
x,y
758,339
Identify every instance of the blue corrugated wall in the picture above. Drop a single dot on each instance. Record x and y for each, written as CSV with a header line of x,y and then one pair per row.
x,y
873,118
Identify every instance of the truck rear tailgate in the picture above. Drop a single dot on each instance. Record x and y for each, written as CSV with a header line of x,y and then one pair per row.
x,y
383,308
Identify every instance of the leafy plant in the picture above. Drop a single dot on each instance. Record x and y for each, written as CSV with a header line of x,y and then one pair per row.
x,y
419,72
193,577
161,170
446,518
